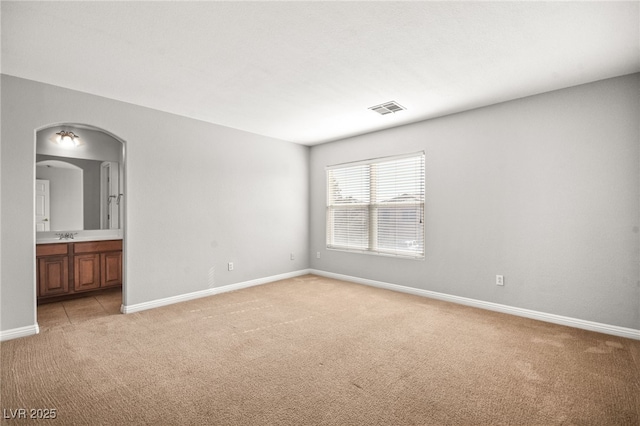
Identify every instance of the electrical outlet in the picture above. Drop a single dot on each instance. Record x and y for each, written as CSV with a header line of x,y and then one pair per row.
x,y
230,266
499,279
293,257
318,255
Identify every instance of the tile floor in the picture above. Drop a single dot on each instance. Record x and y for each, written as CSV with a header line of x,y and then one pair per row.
x,y
77,310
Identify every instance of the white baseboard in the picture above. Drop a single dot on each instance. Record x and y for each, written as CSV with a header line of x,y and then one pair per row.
x,y
127,309
614,330
14,333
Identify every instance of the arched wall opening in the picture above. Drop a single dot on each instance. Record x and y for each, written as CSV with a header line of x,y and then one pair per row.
x,y
100,156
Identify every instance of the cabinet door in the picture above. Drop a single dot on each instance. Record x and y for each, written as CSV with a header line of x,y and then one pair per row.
x,y
86,271
111,269
53,275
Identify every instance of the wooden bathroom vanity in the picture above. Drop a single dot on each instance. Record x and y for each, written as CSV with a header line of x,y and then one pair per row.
x,y
72,269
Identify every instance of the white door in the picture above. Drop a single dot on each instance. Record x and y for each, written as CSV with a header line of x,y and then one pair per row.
x,y
43,221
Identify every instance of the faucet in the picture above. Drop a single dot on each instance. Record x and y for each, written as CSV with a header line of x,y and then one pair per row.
x,y
66,235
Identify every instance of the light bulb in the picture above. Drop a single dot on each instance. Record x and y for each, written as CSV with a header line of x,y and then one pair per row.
x,y
67,141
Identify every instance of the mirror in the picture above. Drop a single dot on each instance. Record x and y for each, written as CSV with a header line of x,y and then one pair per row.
x,y
78,187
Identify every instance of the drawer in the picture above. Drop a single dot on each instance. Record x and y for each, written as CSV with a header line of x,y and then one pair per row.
x,y
97,246
52,249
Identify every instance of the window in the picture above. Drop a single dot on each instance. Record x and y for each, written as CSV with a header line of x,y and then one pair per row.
x,y
377,206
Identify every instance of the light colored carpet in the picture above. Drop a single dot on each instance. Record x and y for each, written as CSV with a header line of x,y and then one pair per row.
x,y
312,350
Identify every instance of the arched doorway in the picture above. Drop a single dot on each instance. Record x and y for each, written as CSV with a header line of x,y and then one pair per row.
x,y
80,223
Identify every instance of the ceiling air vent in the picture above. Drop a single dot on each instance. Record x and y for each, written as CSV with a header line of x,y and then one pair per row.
x,y
387,108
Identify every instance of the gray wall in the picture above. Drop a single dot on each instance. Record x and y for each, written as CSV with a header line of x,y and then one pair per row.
x,y
543,190
198,196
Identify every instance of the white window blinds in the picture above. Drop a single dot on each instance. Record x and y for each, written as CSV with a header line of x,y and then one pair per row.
x,y
377,206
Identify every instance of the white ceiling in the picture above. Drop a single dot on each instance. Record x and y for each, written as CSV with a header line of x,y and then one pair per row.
x,y
306,72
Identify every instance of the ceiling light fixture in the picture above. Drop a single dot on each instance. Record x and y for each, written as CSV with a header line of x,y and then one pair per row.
x,y
387,108
67,139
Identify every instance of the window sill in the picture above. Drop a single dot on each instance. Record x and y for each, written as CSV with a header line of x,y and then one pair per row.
x,y
376,253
